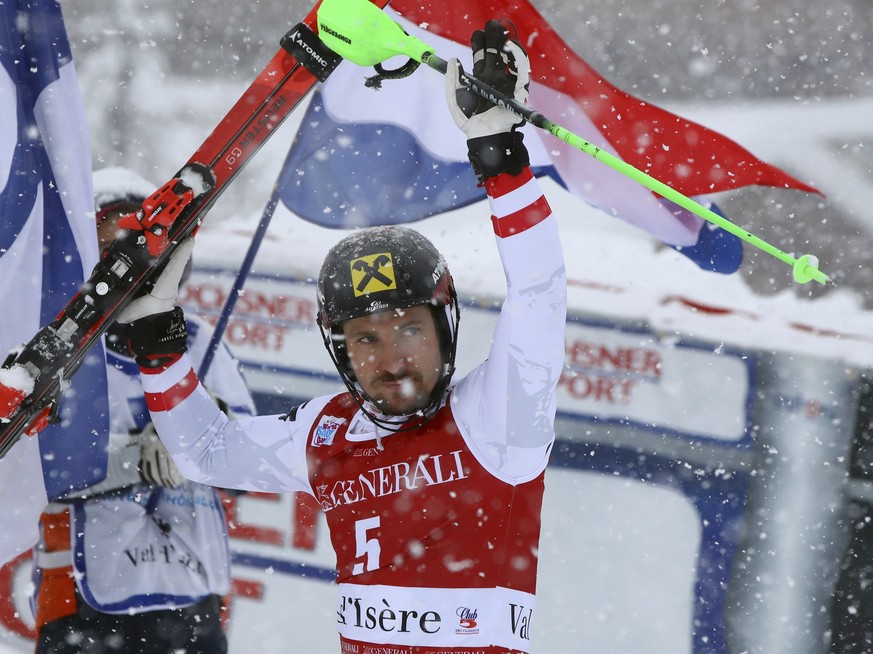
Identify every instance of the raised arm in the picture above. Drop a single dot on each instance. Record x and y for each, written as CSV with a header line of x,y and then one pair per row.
x,y
507,405
262,453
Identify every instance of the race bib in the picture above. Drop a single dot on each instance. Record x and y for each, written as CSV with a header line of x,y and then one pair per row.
x,y
151,548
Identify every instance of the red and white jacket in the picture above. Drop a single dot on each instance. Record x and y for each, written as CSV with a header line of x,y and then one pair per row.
x,y
435,530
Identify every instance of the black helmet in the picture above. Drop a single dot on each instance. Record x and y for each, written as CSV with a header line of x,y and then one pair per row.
x,y
379,269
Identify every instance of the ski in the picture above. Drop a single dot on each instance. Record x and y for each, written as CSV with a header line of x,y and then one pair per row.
x,y
32,379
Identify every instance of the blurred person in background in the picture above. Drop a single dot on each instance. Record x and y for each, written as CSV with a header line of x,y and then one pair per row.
x,y
139,562
852,603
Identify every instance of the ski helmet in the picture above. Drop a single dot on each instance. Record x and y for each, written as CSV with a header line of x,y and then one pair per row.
x,y
380,269
115,187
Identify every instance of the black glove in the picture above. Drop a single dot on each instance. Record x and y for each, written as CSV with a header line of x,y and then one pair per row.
x,y
494,143
159,339
157,332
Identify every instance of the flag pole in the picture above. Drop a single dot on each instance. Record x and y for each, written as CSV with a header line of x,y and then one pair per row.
x,y
239,281
359,31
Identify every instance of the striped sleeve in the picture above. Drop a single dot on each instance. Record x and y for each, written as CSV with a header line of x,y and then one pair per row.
x,y
259,453
506,406
166,388
517,203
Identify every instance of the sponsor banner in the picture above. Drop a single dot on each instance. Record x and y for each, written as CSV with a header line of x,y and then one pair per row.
x,y
611,375
273,323
633,377
449,617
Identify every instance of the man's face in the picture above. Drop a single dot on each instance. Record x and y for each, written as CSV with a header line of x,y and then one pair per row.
x,y
396,358
107,230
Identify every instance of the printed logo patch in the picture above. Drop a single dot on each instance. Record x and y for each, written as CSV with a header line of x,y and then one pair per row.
x,y
467,621
373,273
326,430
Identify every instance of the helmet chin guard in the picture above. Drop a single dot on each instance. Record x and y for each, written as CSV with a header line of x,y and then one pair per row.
x,y
383,269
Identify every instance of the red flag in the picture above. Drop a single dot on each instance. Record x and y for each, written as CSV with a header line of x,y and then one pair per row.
x,y
690,158
409,149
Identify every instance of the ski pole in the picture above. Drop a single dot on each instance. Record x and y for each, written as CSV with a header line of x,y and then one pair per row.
x,y
239,281
359,31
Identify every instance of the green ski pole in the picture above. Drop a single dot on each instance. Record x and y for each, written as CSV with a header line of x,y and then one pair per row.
x,y
359,31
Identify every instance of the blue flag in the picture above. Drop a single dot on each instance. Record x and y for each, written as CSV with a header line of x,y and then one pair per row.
x,y
48,246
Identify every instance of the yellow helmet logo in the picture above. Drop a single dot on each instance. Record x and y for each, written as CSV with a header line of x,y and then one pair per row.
x,y
373,273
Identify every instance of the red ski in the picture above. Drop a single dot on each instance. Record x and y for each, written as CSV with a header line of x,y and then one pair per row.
x,y
32,379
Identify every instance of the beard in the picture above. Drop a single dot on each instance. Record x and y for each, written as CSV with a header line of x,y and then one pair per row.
x,y
398,394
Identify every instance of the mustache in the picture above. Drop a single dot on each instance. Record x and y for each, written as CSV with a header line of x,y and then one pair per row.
x,y
388,377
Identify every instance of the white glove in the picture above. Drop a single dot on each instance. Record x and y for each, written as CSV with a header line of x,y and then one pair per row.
x,y
155,465
502,64
162,297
